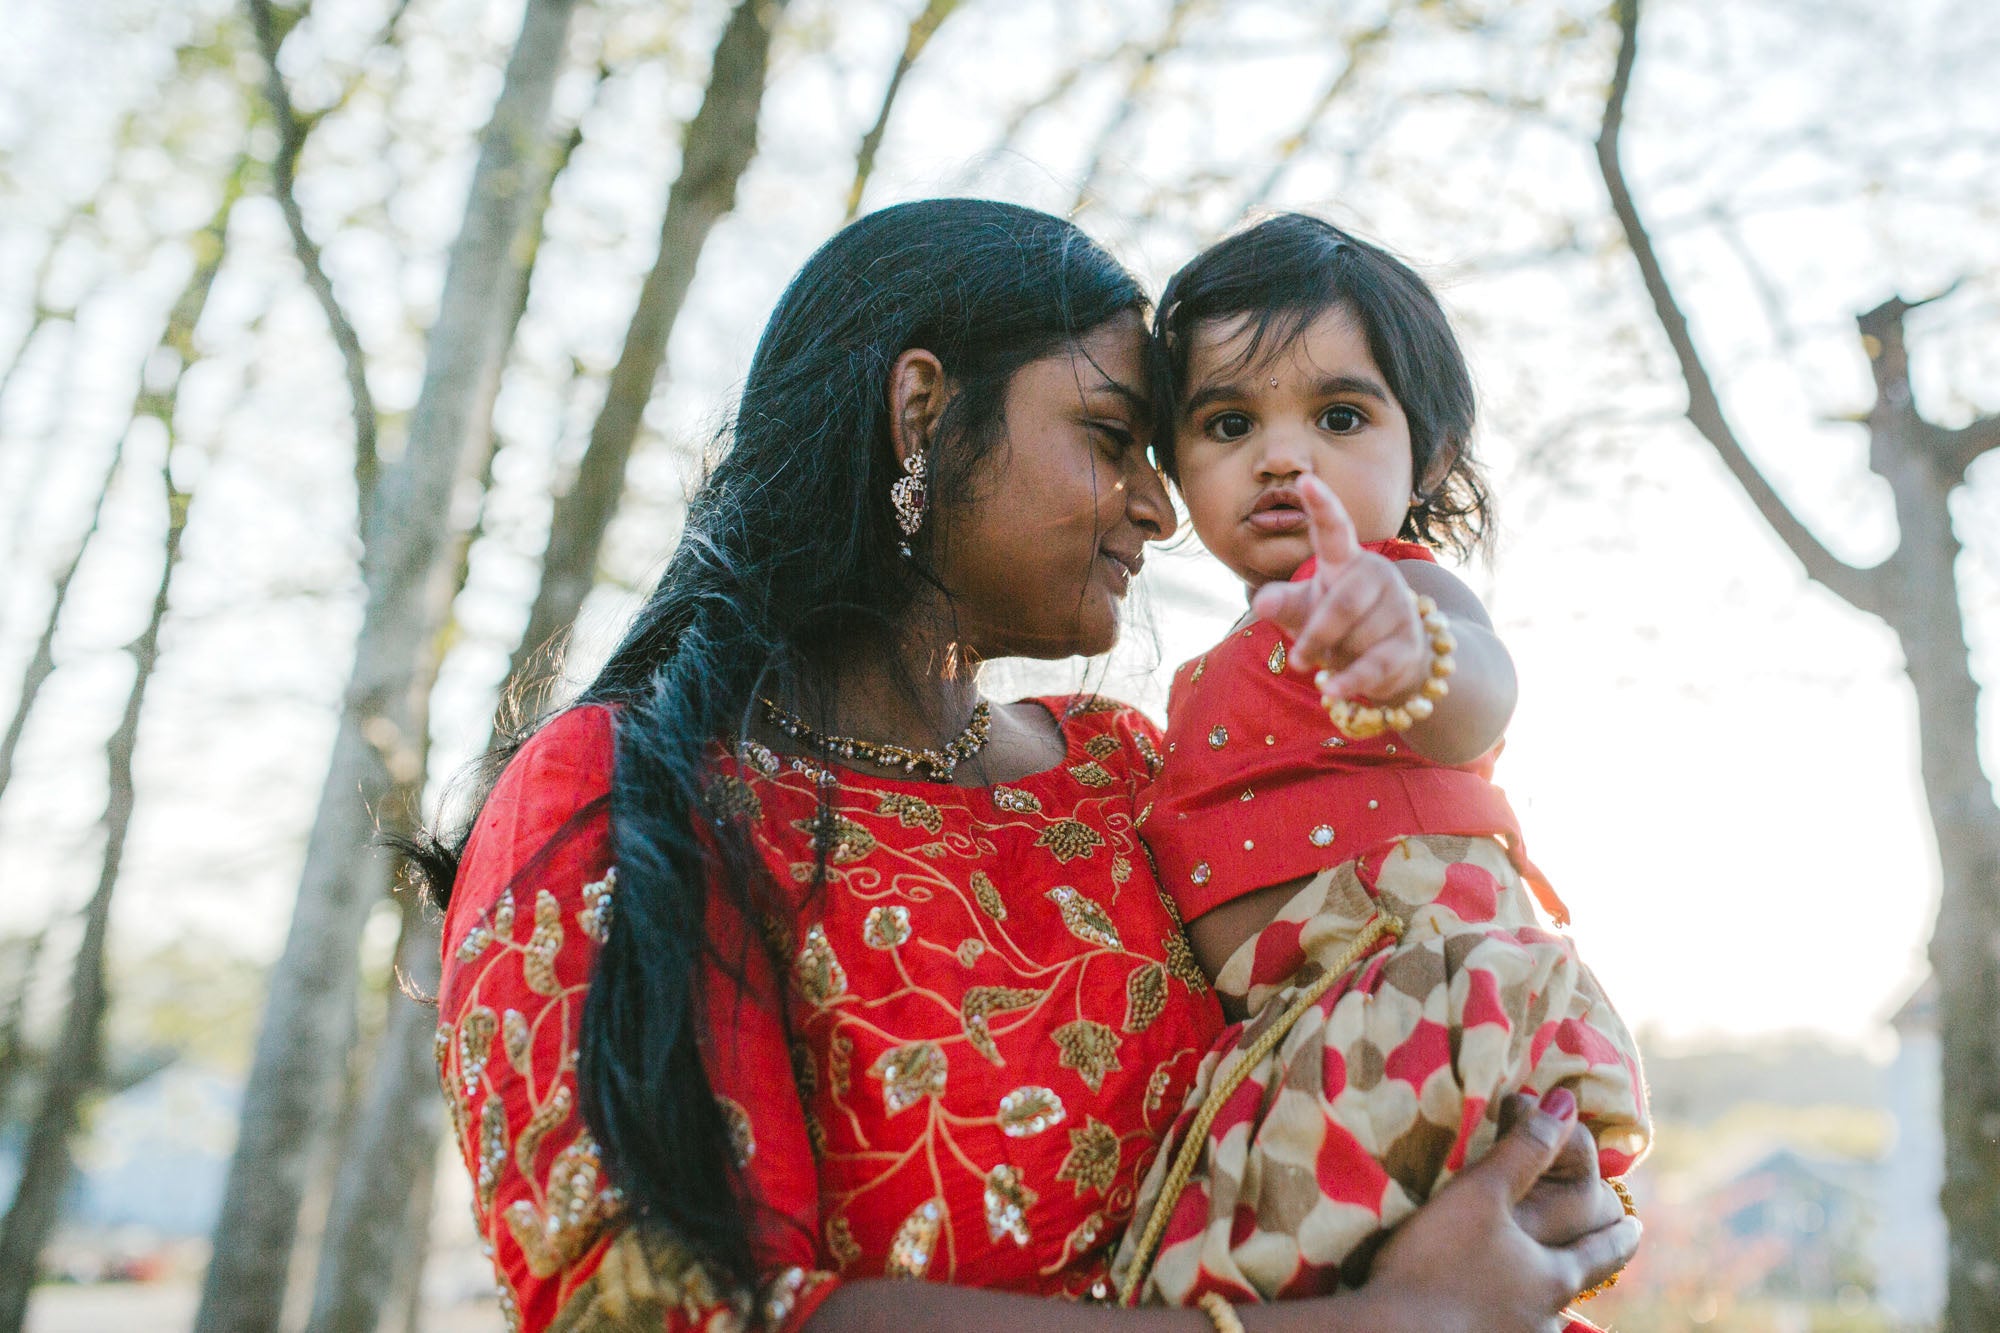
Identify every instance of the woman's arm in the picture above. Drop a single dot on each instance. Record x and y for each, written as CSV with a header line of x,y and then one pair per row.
x,y
1460,1264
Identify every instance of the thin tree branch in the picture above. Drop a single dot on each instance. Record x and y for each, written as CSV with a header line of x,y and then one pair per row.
x,y
1964,446
1859,587
1179,14
922,28
292,133
718,146
1288,150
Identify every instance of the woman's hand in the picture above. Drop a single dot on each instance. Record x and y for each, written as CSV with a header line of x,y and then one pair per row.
x,y
1355,616
1465,1260
1570,1200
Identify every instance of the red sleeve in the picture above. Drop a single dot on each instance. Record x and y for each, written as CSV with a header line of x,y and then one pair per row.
x,y
533,903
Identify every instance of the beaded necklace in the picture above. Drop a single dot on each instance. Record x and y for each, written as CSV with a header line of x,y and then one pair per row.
x,y
940,763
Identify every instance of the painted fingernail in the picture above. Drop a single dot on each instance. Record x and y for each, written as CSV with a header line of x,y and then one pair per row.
x,y
1559,1102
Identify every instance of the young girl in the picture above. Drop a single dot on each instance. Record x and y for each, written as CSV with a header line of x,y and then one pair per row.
x,y
1354,883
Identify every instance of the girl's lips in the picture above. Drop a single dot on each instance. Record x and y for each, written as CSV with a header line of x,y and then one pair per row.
x,y
1278,520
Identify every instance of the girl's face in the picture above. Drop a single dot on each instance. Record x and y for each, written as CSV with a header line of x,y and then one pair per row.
x,y
1062,507
1319,406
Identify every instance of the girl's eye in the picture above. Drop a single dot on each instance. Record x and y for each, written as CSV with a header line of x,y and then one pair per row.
x,y
1342,420
1228,426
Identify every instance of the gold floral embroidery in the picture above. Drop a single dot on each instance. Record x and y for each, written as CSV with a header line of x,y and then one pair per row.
x,y
547,1116
503,915
934,849
1145,997
1016,801
840,1063
915,1241
840,1242
842,839
805,1072
1148,752
983,1000
1092,774
1088,1047
538,958
1092,1163
742,1138
969,950
1086,1234
1085,919
1199,667
989,898
492,1150
1121,869
886,927
821,977
1101,747
759,757
1276,661
1145,813
516,1039
1008,1200
595,918
1068,839
1093,703
475,1045
576,1208
1157,1085
1181,964
909,1073
475,942
730,798
1025,1112
912,812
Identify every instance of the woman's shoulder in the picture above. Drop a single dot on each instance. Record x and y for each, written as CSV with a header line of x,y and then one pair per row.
x,y
1084,716
547,818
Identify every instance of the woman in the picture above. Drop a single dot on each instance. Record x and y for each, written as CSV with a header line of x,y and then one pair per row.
x,y
836,969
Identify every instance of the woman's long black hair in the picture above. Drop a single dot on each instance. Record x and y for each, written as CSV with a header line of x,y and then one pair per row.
x,y
788,562
1285,272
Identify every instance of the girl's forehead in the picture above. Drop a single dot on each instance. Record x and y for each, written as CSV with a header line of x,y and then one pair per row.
x,y
1276,341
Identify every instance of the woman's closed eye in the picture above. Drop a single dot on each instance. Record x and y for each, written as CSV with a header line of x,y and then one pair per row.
x,y
1342,419
1117,433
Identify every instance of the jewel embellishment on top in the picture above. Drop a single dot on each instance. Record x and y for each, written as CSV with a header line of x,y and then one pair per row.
x,y
1276,661
1200,873
909,1073
1321,836
1218,737
886,927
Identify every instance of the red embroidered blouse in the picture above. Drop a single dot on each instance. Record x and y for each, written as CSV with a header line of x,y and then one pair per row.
x,y
994,1011
1258,788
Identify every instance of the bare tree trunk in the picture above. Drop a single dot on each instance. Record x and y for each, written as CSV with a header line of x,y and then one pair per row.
x,y
14,1021
380,1210
309,1015
76,1063
717,148
1916,592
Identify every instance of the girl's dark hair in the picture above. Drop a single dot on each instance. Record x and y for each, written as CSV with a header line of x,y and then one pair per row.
x,y
1287,271
788,564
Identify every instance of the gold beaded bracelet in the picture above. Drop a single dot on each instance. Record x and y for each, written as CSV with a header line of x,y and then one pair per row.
x,y
1220,1312
1631,1210
1360,721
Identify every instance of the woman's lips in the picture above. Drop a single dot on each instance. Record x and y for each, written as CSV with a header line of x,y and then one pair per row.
x,y
1124,568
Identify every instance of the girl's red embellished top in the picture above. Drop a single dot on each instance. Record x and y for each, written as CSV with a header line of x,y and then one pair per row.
x,y
1258,788
992,1014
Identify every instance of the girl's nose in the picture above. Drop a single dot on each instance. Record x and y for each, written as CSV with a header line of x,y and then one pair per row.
x,y
1283,456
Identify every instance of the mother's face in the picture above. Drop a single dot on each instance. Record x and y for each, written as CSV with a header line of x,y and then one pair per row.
x,y
1042,555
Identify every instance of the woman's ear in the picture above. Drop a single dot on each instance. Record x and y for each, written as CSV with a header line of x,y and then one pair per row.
x,y
918,392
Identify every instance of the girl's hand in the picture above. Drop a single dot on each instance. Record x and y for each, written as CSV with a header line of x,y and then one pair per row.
x,y
1466,1257
1355,616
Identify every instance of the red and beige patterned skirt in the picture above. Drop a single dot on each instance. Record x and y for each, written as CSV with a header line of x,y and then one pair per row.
x,y
1421,991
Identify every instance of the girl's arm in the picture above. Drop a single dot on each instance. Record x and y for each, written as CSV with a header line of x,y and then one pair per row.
x,y
1357,618
1471,719
1461,1264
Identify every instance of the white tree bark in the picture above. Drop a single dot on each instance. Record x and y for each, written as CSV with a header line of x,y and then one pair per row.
x,y
309,1014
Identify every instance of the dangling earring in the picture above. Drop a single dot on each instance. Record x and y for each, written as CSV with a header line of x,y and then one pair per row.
x,y
908,497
